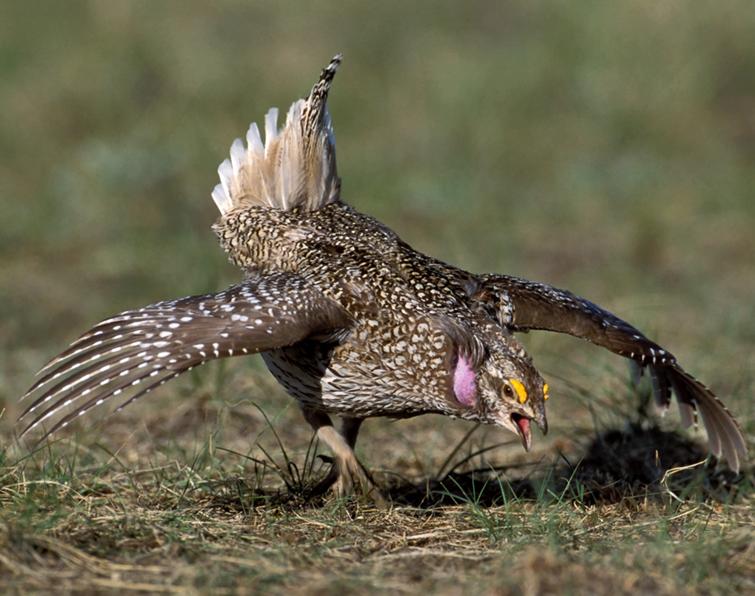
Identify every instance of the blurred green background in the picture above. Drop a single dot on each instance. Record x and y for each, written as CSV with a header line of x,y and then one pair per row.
x,y
605,147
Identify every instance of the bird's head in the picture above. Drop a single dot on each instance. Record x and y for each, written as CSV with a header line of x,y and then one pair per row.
x,y
503,389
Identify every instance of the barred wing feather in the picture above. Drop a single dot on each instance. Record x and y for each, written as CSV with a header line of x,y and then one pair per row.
x,y
138,350
526,305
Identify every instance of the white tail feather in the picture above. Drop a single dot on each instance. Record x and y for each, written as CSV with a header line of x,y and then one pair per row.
x,y
296,165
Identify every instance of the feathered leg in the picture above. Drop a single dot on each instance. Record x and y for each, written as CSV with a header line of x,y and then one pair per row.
x,y
350,429
347,472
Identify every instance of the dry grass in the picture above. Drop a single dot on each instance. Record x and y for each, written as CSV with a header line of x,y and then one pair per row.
x,y
211,495
406,550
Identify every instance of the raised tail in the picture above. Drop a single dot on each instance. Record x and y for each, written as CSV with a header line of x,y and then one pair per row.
x,y
295,167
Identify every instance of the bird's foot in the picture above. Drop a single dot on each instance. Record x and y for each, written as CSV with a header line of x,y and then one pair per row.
x,y
347,478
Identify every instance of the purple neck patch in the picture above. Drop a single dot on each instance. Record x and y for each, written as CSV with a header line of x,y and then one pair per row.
x,y
464,383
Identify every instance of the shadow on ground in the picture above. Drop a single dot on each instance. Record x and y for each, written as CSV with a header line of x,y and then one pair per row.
x,y
620,465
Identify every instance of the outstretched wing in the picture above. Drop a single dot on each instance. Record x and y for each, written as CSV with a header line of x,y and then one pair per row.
x,y
524,305
137,350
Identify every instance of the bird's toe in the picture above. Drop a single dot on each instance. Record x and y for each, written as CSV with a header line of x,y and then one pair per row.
x,y
348,478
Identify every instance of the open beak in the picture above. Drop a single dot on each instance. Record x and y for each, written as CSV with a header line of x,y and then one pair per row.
x,y
522,424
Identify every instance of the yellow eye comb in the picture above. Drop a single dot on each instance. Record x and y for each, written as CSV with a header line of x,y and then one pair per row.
x,y
521,392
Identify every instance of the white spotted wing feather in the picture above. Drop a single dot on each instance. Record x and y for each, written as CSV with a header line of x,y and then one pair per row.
x,y
134,352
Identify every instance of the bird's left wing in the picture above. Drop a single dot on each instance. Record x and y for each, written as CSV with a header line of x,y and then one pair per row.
x,y
521,305
134,352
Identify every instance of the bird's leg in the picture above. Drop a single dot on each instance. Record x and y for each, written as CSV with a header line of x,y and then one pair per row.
x,y
350,429
346,473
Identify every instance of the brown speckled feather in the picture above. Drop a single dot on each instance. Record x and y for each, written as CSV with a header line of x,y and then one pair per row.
x,y
532,305
133,352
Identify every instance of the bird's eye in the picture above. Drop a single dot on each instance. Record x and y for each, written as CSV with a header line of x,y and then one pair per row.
x,y
508,391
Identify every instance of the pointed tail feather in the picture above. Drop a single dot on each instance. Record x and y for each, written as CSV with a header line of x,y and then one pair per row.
x,y
294,167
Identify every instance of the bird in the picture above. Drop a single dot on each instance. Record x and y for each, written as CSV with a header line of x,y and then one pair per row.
x,y
351,320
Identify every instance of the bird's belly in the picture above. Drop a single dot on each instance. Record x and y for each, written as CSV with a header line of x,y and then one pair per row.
x,y
336,382
294,376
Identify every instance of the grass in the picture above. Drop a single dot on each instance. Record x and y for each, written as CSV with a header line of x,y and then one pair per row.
x,y
607,149
136,504
171,527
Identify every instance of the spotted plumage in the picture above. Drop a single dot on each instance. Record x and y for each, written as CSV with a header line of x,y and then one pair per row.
x,y
349,318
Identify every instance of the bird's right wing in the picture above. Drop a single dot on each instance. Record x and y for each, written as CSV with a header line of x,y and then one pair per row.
x,y
523,305
137,350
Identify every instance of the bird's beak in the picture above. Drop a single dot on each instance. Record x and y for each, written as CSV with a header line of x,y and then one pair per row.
x,y
542,421
522,425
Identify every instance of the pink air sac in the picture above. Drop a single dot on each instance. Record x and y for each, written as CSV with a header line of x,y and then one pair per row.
x,y
464,383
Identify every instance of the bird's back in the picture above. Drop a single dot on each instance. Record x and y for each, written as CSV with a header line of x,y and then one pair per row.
x,y
393,360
